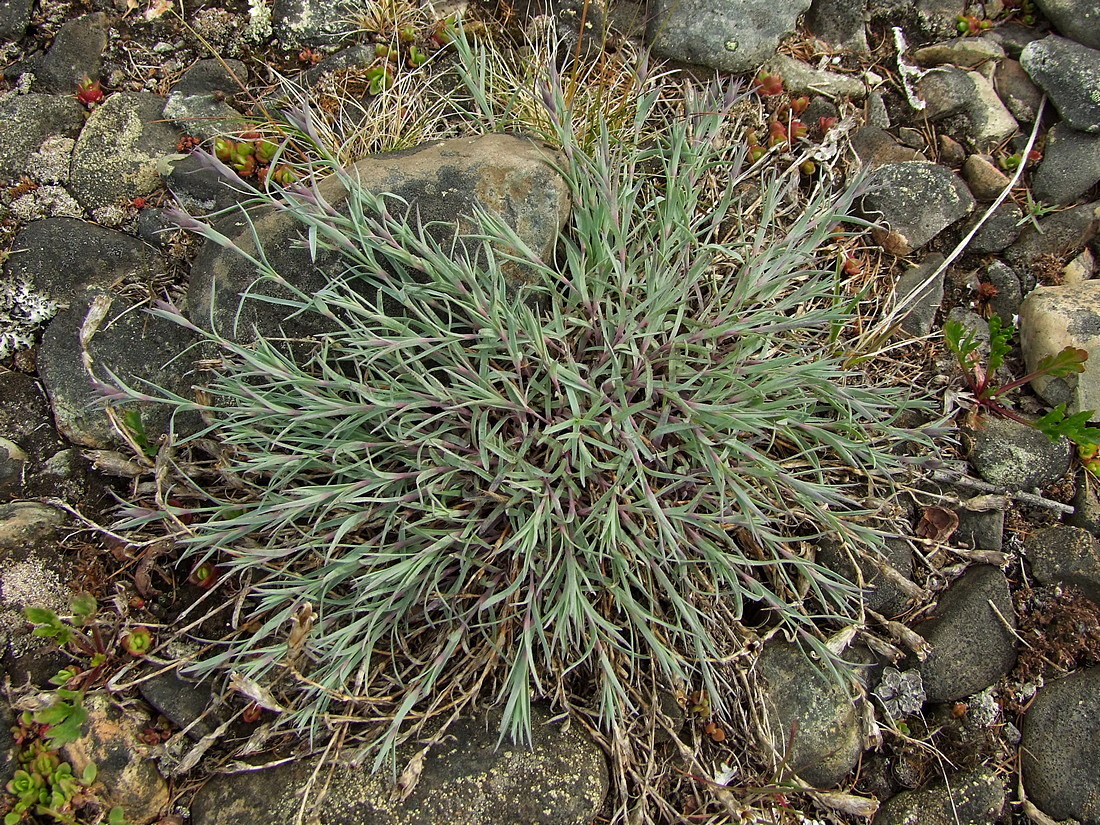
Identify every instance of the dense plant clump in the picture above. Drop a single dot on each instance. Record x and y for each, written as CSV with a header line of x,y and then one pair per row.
x,y
595,474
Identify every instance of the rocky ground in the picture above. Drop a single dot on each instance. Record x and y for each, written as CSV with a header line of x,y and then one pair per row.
x,y
982,128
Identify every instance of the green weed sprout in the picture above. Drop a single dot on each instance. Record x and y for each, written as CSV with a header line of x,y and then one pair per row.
x,y
988,392
593,478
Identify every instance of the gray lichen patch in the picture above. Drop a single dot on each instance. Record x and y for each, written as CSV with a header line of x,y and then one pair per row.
x,y
22,310
27,576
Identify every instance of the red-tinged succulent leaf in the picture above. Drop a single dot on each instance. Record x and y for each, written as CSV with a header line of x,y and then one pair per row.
x,y
1069,361
138,641
769,85
89,92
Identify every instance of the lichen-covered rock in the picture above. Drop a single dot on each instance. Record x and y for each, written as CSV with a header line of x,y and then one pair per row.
x,y
197,102
971,645
32,574
913,202
1061,748
1053,318
466,780
824,716
973,798
116,155
29,121
1015,456
111,741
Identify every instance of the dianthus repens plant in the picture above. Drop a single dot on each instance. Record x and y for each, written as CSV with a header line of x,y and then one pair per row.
x,y
484,487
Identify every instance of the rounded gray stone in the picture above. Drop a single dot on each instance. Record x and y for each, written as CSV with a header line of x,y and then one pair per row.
x,y
1077,19
973,798
1061,554
442,182
1061,748
1006,303
1015,456
730,37
971,646
923,297
838,22
76,53
946,91
467,780
116,155
1061,234
810,711
129,343
964,52
1070,74
914,202
1069,168
1017,91
61,257
881,594
999,231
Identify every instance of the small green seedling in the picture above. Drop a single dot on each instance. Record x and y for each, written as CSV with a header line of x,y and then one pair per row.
x,y
987,393
132,421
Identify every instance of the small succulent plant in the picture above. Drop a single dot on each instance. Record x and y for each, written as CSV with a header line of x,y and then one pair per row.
x,y
89,92
138,641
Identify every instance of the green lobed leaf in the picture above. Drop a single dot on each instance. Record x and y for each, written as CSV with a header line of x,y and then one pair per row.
x,y
1070,361
68,731
54,714
84,606
42,616
1000,337
1056,424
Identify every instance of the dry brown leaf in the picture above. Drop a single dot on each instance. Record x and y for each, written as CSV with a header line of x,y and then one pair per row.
x,y
114,463
407,781
158,8
937,523
300,625
847,803
254,691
